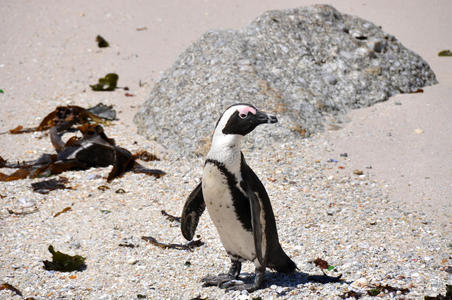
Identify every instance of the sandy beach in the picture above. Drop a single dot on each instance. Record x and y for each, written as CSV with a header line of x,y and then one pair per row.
x,y
49,57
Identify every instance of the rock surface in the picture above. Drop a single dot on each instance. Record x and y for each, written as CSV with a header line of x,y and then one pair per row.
x,y
307,65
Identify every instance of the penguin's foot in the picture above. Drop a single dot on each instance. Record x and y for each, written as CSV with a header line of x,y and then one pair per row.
x,y
219,280
224,281
237,285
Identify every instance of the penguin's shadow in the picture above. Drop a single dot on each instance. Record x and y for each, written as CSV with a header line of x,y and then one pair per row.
x,y
292,280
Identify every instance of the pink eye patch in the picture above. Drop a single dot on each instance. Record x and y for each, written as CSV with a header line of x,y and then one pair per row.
x,y
245,110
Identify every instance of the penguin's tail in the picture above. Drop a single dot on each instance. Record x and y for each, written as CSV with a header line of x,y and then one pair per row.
x,y
288,267
281,262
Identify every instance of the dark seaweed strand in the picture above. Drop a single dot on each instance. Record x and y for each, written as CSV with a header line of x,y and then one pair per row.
x,y
241,204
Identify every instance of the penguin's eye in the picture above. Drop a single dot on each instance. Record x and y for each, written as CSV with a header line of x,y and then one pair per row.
x,y
243,116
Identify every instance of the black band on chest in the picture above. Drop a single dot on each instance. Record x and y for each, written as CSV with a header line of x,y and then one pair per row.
x,y
241,203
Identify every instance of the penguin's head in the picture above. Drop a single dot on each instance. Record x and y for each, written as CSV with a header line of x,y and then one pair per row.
x,y
241,119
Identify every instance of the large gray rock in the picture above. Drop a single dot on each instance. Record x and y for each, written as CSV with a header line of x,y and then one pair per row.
x,y
308,65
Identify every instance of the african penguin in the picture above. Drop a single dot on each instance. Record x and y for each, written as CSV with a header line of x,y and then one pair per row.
x,y
237,203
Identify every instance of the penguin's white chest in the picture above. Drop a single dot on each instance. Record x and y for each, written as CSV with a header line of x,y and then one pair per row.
x,y
218,198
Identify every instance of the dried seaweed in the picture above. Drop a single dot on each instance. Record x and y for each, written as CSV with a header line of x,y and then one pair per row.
x,y
57,167
19,174
103,111
64,210
93,149
188,246
137,168
324,265
445,53
320,263
128,245
101,42
358,172
386,289
351,294
22,213
69,115
44,159
44,187
145,156
64,262
373,292
2,162
169,217
125,162
106,84
7,286
20,129
200,298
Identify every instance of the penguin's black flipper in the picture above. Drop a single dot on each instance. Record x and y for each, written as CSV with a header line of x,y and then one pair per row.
x,y
193,209
258,213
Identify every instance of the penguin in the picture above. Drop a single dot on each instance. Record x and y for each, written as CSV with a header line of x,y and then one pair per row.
x,y
237,202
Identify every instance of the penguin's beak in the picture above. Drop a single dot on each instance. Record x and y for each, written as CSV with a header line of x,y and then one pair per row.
x,y
263,118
